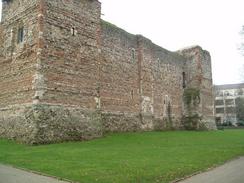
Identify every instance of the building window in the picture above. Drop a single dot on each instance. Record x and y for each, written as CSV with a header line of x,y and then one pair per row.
x,y
73,31
227,93
184,80
20,38
240,92
219,93
229,102
6,1
219,110
230,110
219,102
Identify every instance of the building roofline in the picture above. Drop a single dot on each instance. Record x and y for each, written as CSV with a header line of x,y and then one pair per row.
x,y
229,86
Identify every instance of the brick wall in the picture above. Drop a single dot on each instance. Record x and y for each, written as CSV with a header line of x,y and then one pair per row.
x,y
70,54
119,94
199,75
139,77
18,66
161,81
75,76
18,59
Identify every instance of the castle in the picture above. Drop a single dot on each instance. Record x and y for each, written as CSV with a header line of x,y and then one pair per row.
x,y
65,74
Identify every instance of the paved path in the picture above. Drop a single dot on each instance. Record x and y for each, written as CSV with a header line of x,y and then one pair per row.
x,y
231,172
12,175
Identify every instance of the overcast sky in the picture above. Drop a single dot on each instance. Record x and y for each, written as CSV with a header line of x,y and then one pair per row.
x,y
174,24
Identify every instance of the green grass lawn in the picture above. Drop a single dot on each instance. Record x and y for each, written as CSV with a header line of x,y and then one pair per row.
x,y
129,157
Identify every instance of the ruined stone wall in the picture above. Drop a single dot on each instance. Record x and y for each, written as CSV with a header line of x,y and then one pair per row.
x,y
199,76
120,97
71,52
168,80
68,72
17,67
161,82
75,76
207,91
139,78
119,70
48,86
18,59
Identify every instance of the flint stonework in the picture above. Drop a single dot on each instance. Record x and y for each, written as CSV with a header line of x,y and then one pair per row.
x,y
76,77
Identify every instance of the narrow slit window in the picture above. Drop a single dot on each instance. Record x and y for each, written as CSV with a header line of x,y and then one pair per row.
x,y
133,54
132,94
20,35
184,80
73,31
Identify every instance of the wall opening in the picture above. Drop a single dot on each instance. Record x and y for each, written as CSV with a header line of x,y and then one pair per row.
x,y
20,35
73,31
132,94
167,112
184,80
133,54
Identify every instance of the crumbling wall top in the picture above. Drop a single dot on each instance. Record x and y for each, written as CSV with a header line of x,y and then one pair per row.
x,y
192,50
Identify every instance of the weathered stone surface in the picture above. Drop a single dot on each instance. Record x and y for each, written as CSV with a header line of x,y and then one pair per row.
x,y
143,83
75,76
199,75
37,124
121,122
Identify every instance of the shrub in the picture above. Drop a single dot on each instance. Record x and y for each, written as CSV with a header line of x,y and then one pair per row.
x,y
240,123
227,123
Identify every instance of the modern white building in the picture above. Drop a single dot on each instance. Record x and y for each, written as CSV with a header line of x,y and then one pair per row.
x,y
225,102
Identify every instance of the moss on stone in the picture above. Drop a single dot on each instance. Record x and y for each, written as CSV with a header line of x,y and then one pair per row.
x,y
192,119
191,96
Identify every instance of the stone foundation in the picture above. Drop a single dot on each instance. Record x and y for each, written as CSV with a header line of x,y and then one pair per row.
x,y
41,124
121,122
125,122
87,76
209,123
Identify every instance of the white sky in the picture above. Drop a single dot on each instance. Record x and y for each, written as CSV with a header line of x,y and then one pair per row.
x,y
174,24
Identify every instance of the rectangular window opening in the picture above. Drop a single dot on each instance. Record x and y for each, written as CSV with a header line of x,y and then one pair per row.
x,y
219,110
20,35
184,79
73,31
219,102
132,94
